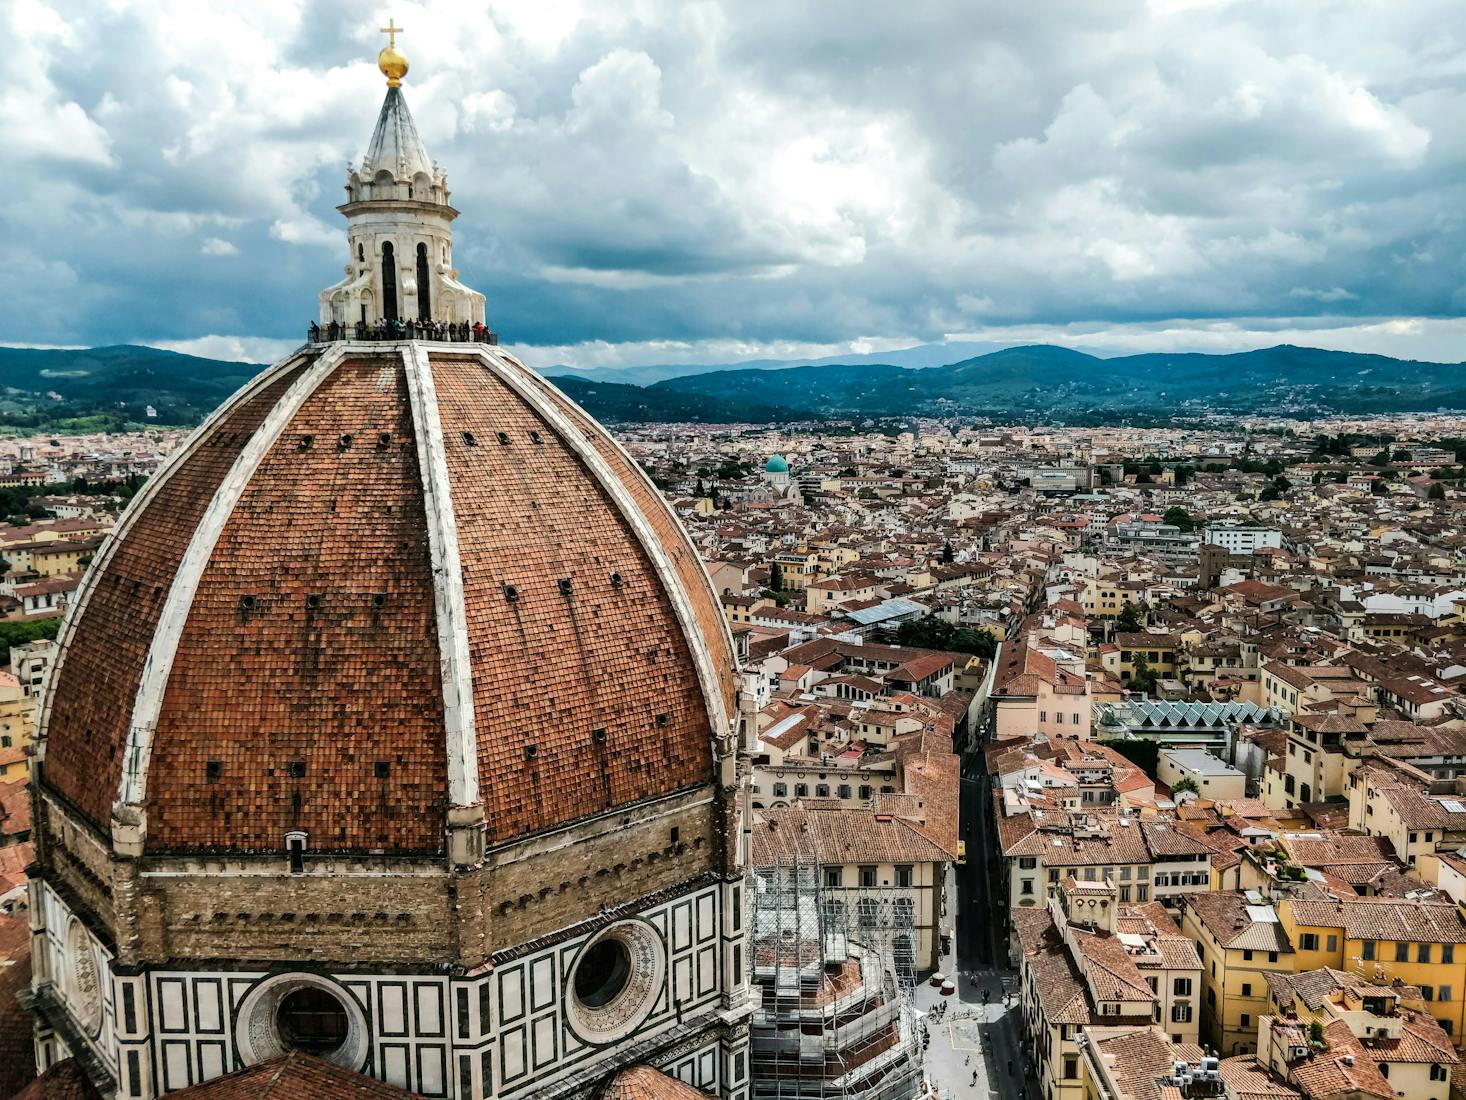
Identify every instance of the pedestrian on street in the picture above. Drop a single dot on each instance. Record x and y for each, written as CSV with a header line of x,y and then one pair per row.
x,y
974,1078
1010,1067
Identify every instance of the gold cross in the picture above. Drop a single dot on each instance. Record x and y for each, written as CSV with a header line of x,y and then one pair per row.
x,y
391,30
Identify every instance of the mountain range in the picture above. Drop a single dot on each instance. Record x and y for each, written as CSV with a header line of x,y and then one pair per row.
x,y
1035,381
1047,381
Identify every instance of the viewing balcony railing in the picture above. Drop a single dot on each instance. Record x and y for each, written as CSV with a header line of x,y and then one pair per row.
x,y
455,332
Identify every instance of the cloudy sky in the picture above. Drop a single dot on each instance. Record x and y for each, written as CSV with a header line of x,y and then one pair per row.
x,y
704,182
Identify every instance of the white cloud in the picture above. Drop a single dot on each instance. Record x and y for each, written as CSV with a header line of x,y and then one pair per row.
x,y
230,349
217,246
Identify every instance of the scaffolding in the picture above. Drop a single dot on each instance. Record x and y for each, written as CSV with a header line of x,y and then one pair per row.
x,y
835,1018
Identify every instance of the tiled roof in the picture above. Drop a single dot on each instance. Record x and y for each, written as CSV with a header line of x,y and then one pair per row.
x,y
1246,1080
838,836
1383,919
63,1081
1225,915
1343,1069
17,1028
294,1076
317,610
645,1083
1136,1058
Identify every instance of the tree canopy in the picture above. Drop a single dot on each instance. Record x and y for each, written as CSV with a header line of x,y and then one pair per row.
x,y
933,633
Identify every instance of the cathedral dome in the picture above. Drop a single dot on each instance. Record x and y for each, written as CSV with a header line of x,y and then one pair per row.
x,y
382,586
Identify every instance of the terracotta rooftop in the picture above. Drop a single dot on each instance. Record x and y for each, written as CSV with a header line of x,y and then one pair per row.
x,y
645,1083
422,582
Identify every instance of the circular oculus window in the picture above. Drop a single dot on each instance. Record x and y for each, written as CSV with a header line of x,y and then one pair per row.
x,y
614,982
301,1012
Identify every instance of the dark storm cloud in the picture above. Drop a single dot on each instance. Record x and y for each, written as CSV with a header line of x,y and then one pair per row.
x,y
715,176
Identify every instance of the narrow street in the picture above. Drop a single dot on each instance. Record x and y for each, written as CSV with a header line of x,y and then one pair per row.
x,y
975,1050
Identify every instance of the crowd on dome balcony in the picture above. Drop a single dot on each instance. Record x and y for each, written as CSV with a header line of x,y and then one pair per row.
x,y
458,332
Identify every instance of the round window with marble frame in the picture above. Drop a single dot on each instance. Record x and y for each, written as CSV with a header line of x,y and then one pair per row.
x,y
83,984
615,981
257,1028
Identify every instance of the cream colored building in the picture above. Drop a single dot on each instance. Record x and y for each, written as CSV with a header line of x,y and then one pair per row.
x,y
876,870
1209,776
1088,960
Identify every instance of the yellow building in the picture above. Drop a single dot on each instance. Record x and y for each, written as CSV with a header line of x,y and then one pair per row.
x,y
1240,940
1157,651
1384,939
1386,1026
1384,802
796,568
1315,765
1106,599
16,724
50,559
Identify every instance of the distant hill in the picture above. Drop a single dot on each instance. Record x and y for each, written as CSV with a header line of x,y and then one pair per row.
x,y
97,388
121,381
110,386
1045,380
621,403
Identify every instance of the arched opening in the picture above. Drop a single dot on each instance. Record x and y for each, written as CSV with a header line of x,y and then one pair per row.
x,y
389,282
360,253
424,294
311,1020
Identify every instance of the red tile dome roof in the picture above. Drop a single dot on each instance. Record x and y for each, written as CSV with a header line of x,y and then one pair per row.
x,y
381,582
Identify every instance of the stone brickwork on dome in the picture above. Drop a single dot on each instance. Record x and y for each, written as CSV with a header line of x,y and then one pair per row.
x,y
121,599
335,690
551,666
689,568
396,713
302,685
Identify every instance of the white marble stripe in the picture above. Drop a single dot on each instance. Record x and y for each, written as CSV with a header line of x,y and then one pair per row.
x,y
136,507
132,790
453,655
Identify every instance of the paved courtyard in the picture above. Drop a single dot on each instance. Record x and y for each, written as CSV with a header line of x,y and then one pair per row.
x,y
974,1051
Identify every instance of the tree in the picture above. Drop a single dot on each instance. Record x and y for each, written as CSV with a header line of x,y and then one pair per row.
x,y
1381,459
1144,754
776,576
947,556
1179,517
1377,487
1129,619
1437,492
933,633
1143,677
20,632
1184,785
1400,456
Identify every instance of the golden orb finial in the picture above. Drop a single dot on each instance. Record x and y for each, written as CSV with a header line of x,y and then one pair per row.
x,y
391,60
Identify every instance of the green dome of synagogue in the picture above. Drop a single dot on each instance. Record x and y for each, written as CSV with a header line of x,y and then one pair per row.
x,y
776,465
